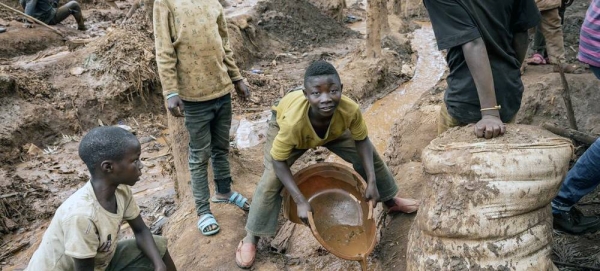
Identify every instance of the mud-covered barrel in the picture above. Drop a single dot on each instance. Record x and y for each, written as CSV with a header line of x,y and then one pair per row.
x,y
486,205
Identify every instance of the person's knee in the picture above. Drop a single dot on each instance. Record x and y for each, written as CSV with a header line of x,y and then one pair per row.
x,y
199,156
73,5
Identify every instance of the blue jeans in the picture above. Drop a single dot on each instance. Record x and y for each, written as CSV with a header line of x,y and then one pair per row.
x,y
208,123
581,180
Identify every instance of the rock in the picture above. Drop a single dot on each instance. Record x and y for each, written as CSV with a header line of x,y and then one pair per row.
x,y
34,150
77,71
126,127
10,225
146,139
7,84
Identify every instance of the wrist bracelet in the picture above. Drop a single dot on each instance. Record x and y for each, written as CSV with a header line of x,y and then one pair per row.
x,y
497,107
172,95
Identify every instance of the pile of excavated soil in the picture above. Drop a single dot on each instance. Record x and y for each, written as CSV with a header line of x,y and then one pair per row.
x,y
300,24
128,57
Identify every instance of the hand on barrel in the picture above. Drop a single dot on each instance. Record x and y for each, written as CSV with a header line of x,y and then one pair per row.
x,y
489,127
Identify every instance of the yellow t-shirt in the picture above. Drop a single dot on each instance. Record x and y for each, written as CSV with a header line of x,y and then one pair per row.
x,y
296,132
82,229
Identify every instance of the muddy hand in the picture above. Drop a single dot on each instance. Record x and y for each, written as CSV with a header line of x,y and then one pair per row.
x,y
489,127
302,210
242,90
372,194
175,106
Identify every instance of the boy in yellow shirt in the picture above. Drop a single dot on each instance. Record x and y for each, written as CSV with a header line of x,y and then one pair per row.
x,y
84,231
318,116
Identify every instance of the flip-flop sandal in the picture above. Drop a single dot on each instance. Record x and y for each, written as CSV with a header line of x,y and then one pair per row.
x,y
243,252
536,59
236,198
205,221
404,206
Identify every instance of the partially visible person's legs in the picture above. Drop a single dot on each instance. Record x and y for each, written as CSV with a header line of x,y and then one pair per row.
x,y
345,147
445,121
266,202
539,42
70,8
539,46
219,128
198,116
551,28
128,257
582,179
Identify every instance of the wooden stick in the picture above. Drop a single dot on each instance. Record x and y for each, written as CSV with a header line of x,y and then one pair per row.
x,y
566,94
33,19
577,266
570,133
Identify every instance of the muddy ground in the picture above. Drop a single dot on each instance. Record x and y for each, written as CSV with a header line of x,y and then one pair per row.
x,y
52,92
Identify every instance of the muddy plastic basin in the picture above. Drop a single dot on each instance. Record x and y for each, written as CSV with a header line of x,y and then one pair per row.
x,y
342,221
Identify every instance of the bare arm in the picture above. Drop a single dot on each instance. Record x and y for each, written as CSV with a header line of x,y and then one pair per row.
x,y
283,172
478,62
84,264
365,148
145,242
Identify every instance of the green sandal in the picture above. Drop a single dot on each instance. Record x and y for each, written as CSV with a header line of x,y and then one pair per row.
x,y
236,198
206,221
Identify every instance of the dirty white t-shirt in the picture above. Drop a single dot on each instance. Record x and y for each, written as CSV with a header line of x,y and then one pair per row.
x,y
81,229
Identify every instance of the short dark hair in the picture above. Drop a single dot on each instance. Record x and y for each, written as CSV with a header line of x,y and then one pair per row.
x,y
320,67
104,143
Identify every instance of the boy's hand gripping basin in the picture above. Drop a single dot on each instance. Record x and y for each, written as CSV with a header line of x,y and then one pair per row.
x,y
342,220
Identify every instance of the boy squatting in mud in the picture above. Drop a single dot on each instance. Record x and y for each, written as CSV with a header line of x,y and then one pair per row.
x,y
84,231
48,11
317,116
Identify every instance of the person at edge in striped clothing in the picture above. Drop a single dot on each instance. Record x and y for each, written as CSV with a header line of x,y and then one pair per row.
x,y
584,177
589,38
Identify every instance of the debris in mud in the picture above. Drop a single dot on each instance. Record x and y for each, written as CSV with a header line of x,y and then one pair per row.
x,y
129,57
301,24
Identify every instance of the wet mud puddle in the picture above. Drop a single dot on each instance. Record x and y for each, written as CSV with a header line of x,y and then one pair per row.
x,y
385,112
381,115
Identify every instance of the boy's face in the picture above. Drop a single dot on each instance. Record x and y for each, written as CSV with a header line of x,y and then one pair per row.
x,y
323,94
129,169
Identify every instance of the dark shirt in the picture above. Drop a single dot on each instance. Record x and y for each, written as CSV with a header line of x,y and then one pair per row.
x,y
456,22
43,10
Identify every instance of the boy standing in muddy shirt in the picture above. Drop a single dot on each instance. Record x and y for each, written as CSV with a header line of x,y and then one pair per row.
x,y
319,115
486,43
198,72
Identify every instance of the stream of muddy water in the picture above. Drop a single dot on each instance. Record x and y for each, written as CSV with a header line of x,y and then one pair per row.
x,y
383,113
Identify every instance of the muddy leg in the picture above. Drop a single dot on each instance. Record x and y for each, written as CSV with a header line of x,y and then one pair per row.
x,y
133,8
70,8
551,28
